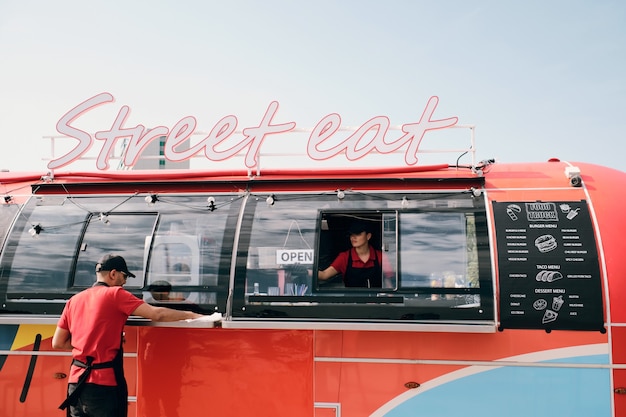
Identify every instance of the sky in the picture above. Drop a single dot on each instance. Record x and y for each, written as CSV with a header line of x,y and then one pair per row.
x,y
537,78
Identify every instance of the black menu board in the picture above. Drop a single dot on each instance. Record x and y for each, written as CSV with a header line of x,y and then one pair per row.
x,y
549,274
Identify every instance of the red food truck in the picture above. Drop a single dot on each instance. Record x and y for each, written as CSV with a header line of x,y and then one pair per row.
x,y
506,294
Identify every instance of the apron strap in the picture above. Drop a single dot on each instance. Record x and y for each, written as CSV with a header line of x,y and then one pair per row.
x,y
116,364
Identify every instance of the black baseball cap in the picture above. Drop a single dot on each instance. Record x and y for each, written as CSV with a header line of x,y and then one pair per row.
x,y
359,226
111,262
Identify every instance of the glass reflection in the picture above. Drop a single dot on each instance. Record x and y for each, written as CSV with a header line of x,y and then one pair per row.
x,y
42,262
432,246
77,231
281,254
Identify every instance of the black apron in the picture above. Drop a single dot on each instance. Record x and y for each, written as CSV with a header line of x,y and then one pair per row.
x,y
118,368
371,277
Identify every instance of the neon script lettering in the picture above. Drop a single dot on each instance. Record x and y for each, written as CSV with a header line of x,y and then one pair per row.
x,y
355,146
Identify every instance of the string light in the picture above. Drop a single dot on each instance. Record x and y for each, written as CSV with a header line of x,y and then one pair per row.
x,y
405,203
211,201
105,219
341,194
35,230
7,199
151,199
270,200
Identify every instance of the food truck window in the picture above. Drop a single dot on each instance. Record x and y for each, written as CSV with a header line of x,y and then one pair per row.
x,y
434,258
347,236
57,240
40,250
292,238
188,257
439,250
281,248
121,233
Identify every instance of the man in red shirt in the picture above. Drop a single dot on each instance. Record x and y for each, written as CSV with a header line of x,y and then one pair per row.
x,y
91,325
362,265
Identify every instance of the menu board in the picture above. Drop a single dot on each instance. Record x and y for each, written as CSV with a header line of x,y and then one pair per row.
x,y
549,274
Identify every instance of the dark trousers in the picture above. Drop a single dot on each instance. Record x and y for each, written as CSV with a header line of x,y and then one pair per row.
x,y
95,401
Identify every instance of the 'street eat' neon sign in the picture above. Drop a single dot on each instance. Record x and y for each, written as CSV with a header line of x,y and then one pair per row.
x,y
355,146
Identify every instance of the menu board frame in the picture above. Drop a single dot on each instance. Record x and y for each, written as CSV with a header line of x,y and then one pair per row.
x,y
548,269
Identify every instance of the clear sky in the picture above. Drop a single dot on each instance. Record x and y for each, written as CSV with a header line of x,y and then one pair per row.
x,y
538,78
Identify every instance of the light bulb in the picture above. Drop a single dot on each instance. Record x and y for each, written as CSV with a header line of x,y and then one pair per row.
x,y
211,201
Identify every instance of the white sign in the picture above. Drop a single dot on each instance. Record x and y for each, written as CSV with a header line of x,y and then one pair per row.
x,y
294,256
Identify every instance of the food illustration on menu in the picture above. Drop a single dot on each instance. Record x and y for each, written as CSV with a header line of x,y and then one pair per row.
x,y
545,243
548,266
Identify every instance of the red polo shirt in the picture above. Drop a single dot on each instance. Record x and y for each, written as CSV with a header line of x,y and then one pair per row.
x,y
341,262
95,319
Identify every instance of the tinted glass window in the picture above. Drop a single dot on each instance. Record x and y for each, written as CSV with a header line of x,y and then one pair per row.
x,y
280,253
42,248
120,233
433,250
7,213
57,241
438,250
